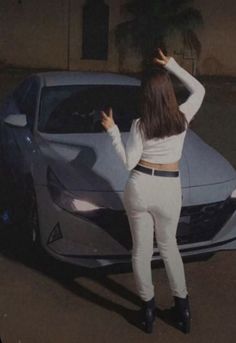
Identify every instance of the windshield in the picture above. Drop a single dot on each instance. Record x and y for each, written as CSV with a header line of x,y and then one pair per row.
x,y
76,109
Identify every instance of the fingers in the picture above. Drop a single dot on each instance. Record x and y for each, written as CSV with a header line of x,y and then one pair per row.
x,y
104,122
110,113
158,61
162,60
161,54
107,119
103,115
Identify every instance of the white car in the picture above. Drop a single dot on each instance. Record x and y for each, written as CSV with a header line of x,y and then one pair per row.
x,y
67,183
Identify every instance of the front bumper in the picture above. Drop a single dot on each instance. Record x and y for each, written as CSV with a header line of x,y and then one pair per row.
x,y
105,238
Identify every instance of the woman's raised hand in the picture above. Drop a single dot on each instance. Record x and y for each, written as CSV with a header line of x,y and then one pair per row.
x,y
162,60
107,119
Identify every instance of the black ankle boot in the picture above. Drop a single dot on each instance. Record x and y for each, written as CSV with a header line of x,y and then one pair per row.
x,y
183,314
148,314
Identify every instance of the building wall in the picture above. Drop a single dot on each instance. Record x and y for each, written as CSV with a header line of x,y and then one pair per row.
x,y
34,33
218,37
48,34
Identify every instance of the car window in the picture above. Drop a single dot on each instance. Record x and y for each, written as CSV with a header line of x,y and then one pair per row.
x,y
26,98
28,106
76,109
20,92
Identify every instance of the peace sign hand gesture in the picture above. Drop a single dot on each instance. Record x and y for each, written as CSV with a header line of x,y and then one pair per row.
x,y
162,60
107,120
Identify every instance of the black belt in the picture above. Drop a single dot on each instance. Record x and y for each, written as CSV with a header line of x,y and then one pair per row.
x,y
152,171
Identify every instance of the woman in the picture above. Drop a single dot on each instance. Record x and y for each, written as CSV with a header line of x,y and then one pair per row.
x,y
152,196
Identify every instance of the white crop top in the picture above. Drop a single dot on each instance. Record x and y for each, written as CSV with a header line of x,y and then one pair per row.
x,y
159,150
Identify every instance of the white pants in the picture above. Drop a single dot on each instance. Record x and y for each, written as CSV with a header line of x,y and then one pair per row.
x,y
153,204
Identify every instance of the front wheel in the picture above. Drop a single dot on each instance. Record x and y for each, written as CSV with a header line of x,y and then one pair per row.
x,y
29,227
25,218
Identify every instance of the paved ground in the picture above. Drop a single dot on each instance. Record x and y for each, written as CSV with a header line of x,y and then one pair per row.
x,y
49,306
42,302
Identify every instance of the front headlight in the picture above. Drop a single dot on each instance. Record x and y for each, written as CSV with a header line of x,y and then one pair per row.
x,y
65,199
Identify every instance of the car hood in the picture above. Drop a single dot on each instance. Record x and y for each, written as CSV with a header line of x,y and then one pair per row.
x,y
87,162
206,165
211,177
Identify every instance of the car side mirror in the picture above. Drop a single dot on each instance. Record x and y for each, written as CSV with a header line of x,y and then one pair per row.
x,y
18,120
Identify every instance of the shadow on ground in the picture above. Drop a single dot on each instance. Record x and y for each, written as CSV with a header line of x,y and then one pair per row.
x,y
68,276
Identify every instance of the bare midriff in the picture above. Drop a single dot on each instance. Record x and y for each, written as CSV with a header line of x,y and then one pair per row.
x,y
174,166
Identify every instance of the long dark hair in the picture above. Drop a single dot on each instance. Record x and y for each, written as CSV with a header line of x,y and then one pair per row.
x,y
160,116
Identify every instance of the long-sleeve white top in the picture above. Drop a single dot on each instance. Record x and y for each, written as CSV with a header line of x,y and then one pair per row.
x,y
159,150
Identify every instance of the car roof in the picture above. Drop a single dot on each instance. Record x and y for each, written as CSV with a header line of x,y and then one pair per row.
x,y
61,78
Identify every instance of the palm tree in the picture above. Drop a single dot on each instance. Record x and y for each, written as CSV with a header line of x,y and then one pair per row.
x,y
154,21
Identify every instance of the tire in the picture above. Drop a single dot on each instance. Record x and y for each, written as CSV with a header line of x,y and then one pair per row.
x,y
29,227
22,236
25,218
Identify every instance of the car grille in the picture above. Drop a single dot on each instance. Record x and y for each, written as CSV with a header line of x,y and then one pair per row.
x,y
197,223
202,222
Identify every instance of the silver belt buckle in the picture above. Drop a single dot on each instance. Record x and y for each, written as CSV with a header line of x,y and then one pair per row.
x,y
153,170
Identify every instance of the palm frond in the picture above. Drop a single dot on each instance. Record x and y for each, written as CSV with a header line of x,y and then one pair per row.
x,y
191,40
155,20
189,18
